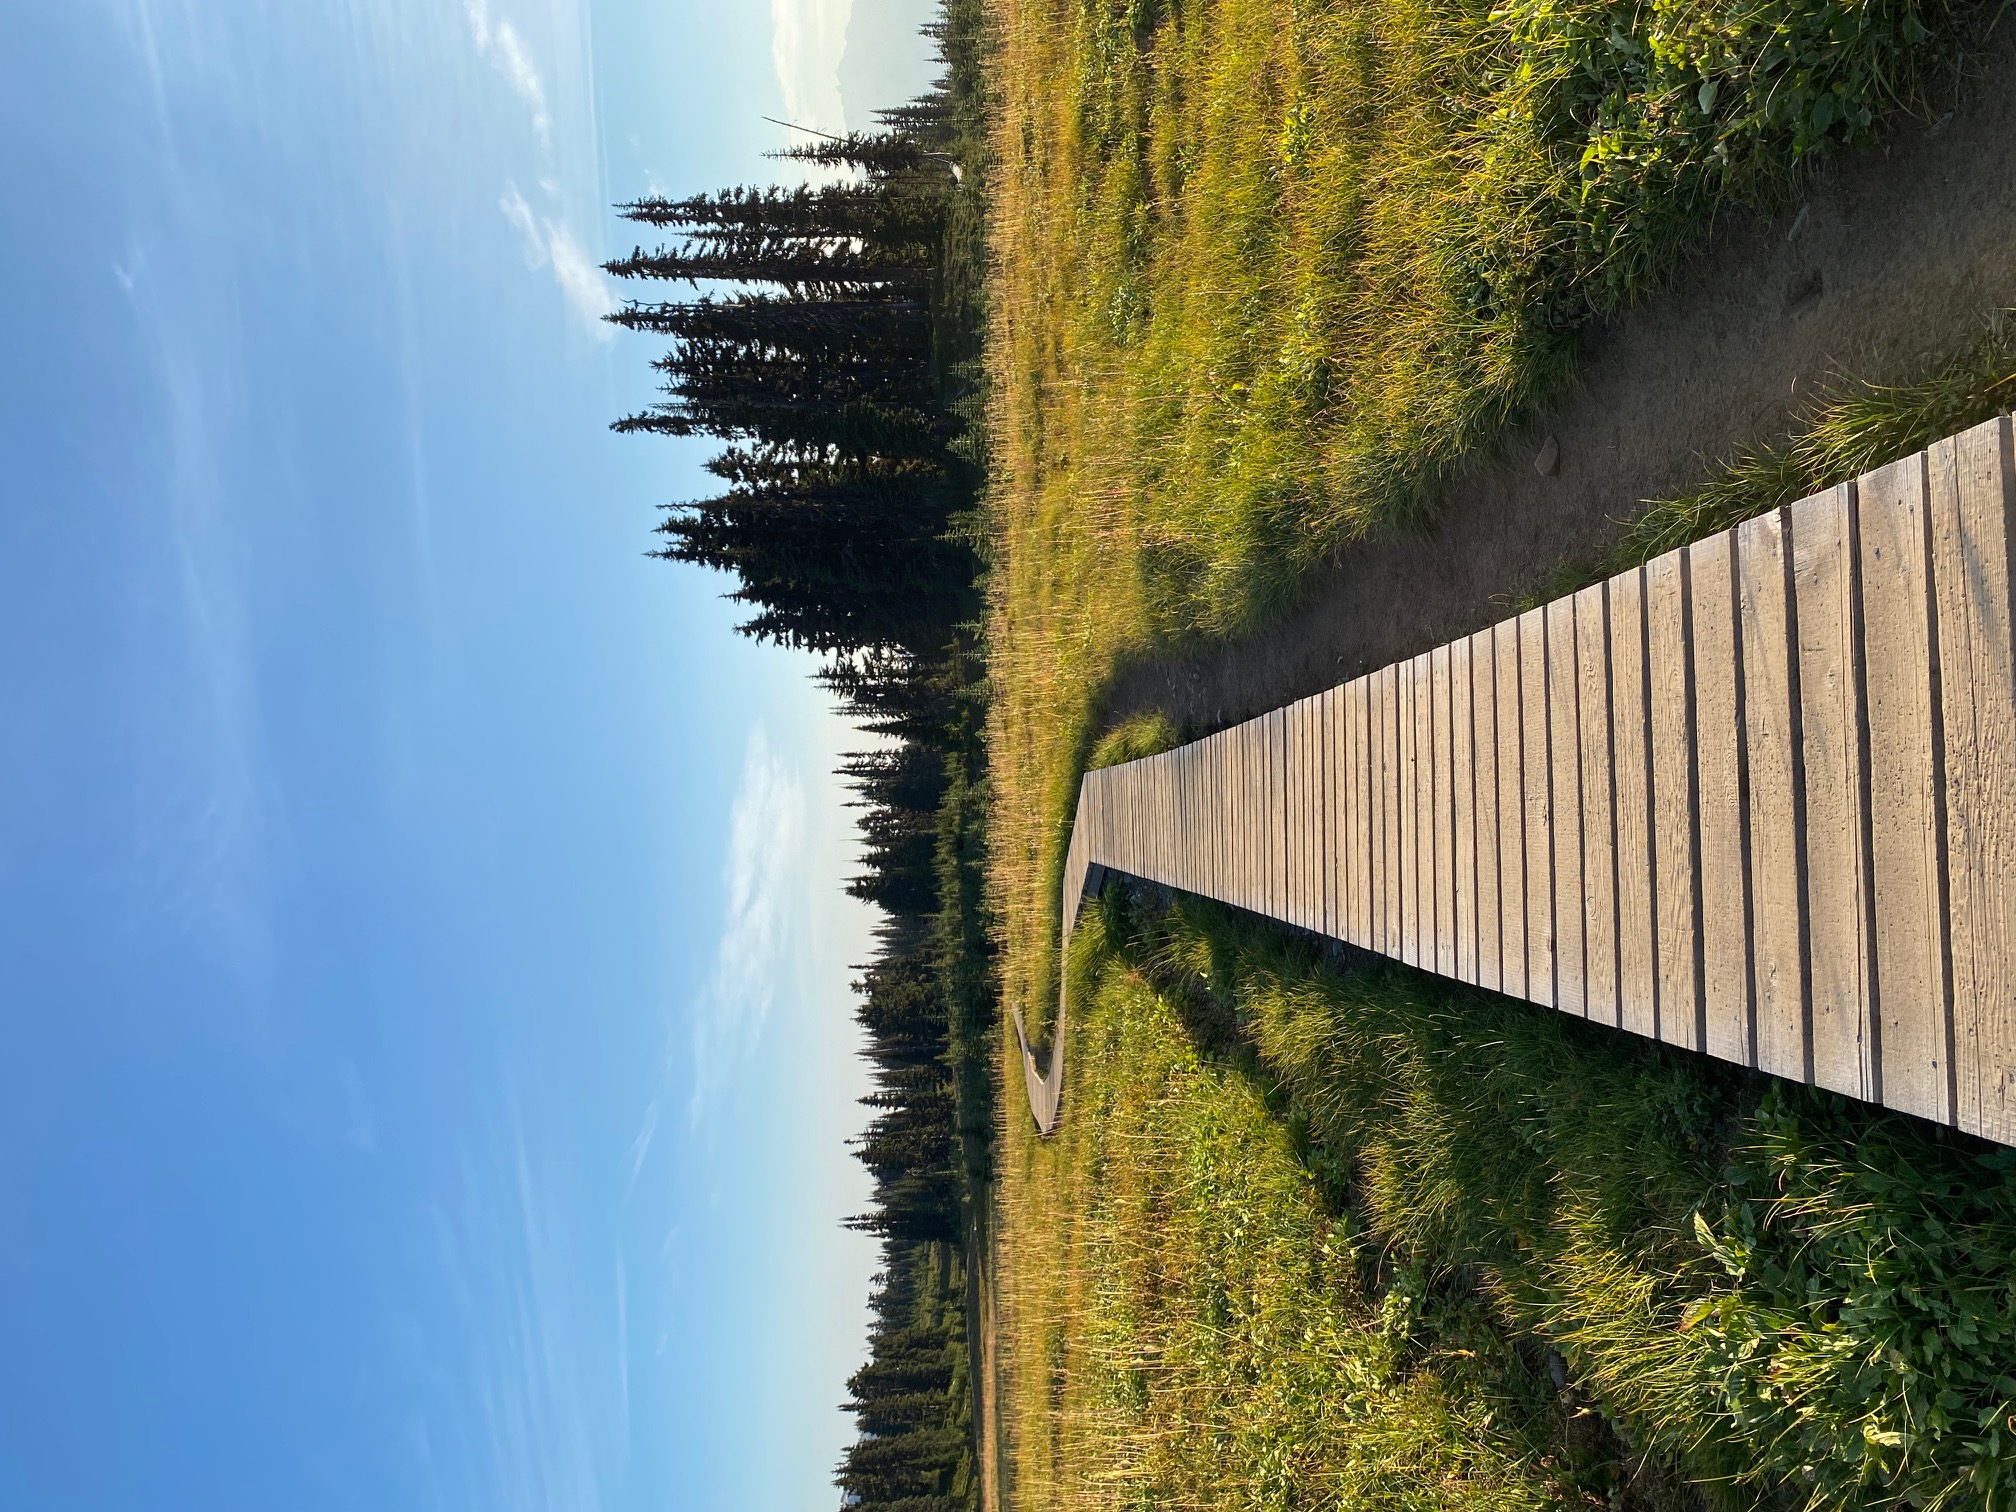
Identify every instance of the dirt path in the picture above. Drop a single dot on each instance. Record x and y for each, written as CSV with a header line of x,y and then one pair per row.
x,y
1893,256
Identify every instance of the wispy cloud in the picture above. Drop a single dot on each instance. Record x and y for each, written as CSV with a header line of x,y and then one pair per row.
x,y
766,837
552,244
527,1380
806,40
640,1149
499,44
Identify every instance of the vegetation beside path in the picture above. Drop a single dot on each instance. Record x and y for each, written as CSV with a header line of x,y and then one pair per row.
x,y
1266,270
1318,1233
1325,1231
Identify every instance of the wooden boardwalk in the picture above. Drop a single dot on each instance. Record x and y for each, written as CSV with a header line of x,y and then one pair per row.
x,y
1755,799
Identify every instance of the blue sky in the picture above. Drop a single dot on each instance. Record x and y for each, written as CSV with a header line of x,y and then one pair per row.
x,y
421,933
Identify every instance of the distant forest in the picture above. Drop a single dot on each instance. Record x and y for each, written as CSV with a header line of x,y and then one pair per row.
x,y
834,353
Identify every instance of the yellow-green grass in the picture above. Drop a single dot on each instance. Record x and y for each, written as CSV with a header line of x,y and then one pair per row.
x,y
1792,1299
1264,270
1188,1326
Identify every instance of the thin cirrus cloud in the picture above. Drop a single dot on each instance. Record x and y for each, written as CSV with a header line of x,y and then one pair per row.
x,y
806,40
764,886
552,244
499,44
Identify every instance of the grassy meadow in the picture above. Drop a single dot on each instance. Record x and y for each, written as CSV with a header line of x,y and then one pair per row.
x,y
1323,1234
1262,273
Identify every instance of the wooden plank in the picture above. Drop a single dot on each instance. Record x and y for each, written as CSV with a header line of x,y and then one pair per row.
x,y
1358,875
1514,951
1424,811
1770,714
1336,808
1536,749
1274,731
1322,814
1463,809
1187,818
1247,816
1305,818
1484,709
1428,880
1390,806
1406,813
1222,780
1443,788
1267,833
1291,830
1317,847
1219,770
1564,735
1679,1013
1599,832
1724,809
1905,810
1273,878
1631,805
1378,813
1322,825
1340,855
1834,778
1208,815
1973,479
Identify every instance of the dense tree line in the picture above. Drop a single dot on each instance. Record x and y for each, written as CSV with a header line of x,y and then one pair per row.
x,y
806,334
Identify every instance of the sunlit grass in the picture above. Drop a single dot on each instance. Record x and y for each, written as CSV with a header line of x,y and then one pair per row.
x,y
1265,270
1188,1325
1790,1299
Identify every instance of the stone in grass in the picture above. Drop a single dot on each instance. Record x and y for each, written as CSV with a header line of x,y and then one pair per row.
x,y
1548,463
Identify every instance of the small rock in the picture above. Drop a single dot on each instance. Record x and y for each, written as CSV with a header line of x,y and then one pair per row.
x,y
1548,463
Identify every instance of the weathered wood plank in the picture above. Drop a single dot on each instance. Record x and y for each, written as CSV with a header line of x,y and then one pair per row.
x,y
1361,902
1442,795
1484,718
1275,729
1463,808
1631,806
1273,734
1330,801
1679,1012
1310,807
1973,479
1564,748
1599,832
1391,809
1408,860
1537,749
1313,714
1514,948
1291,820
1906,813
1770,726
1834,778
1425,881
1381,697
1253,829
1724,808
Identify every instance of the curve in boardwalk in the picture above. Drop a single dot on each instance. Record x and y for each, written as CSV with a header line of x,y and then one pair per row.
x,y
1755,799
